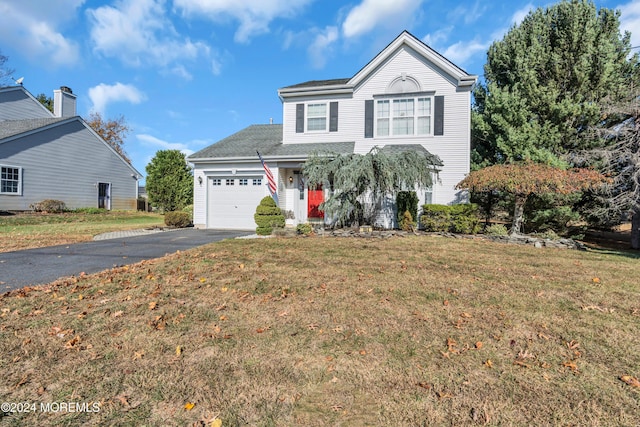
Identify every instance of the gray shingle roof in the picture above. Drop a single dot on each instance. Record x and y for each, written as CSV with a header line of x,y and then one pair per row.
x,y
10,128
319,83
267,139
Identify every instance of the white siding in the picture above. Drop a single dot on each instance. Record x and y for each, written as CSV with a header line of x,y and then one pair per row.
x,y
222,170
453,147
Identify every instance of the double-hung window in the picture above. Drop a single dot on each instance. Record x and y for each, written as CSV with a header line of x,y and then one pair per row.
x,y
403,116
10,180
316,117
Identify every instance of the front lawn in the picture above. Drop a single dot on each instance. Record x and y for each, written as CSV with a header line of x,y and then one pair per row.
x,y
34,230
420,330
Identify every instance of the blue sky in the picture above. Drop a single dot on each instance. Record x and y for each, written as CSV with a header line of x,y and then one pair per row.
x,y
187,73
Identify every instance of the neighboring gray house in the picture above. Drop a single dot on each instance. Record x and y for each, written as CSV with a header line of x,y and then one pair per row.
x,y
58,156
407,97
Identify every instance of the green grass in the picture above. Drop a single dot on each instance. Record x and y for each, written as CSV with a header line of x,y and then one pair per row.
x,y
328,331
32,230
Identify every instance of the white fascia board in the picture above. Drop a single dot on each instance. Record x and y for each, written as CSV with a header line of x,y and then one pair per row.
x,y
315,91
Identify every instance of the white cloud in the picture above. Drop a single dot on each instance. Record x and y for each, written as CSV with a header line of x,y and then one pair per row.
x,y
519,15
35,28
459,53
320,49
254,15
372,14
630,21
138,33
104,94
180,71
157,143
468,13
436,38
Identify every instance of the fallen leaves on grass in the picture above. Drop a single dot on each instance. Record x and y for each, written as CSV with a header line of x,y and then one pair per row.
x,y
189,406
632,381
158,323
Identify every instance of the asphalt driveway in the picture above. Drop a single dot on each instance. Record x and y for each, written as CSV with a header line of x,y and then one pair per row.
x,y
44,265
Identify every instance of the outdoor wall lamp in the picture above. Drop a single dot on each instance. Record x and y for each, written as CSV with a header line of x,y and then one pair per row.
x,y
200,180
290,180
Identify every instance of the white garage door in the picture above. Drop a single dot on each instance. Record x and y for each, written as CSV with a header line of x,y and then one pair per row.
x,y
233,201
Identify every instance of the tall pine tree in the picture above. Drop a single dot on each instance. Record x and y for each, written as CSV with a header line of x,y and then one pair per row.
x,y
544,82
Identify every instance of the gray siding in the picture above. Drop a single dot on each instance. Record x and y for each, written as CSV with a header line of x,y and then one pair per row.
x,y
17,105
66,163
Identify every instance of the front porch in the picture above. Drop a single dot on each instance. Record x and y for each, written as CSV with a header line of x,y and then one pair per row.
x,y
300,204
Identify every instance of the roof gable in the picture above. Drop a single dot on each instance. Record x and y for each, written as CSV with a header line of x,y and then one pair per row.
x,y
10,94
408,39
340,86
13,130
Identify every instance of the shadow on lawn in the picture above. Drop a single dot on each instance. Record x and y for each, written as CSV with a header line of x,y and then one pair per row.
x,y
611,243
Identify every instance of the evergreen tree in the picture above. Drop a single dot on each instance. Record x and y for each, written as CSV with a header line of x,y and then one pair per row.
x,y
169,181
544,82
46,101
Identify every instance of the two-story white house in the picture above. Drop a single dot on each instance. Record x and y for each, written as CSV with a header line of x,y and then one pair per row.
x,y
407,97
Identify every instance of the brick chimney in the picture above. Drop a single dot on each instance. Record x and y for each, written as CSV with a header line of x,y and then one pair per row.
x,y
64,102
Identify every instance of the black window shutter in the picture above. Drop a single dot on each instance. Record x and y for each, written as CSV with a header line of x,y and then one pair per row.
x,y
438,118
299,118
333,117
368,118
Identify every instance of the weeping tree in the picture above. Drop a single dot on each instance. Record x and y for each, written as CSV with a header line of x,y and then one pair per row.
x,y
361,183
524,179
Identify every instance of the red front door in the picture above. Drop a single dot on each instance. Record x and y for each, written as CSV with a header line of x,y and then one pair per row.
x,y
315,198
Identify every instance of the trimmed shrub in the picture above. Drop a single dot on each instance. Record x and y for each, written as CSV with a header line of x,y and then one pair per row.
x,y
407,223
436,217
304,229
496,230
49,206
406,201
178,219
462,218
268,216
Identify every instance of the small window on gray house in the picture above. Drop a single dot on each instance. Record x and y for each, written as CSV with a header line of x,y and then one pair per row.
x,y
10,178
243,181
216,181
257,181
230,181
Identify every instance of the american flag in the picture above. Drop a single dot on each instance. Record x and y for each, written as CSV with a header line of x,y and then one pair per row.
x,y
271,181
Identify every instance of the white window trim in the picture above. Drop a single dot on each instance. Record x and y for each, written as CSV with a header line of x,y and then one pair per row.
x,y
415,98
307,117
19,192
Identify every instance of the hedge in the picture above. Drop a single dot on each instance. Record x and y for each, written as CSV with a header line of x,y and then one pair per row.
x,y
462,218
